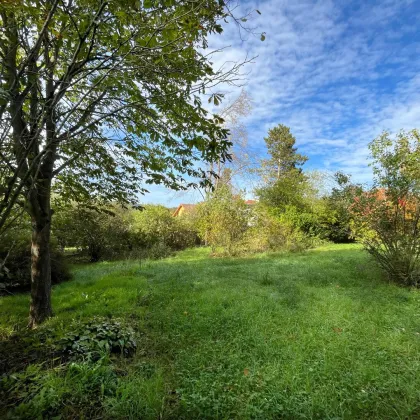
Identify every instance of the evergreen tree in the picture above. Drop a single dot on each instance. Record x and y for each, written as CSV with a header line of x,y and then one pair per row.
x,y
284,182
284,157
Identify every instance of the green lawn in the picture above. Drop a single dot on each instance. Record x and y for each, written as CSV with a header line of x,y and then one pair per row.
x,y
319,334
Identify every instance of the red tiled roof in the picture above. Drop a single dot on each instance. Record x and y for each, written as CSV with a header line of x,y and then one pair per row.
x,y
186,207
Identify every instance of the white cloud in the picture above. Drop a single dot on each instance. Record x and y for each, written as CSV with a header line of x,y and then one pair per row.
x,y
323,71
338,73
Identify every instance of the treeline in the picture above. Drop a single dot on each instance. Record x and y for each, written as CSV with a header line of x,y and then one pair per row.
x,y
294,211
223,221
111,232
290,214
91,233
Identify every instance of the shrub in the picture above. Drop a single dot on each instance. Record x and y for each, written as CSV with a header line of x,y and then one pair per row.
x,y
223,219
293,197
302,220
270,232
15,253
99,232
389,232
157,251
387,218
155,225
113,232
337,219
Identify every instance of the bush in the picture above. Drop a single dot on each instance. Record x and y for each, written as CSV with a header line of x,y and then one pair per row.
x,y
157,251
337,219
387,218
222,220
113,232
159,232
15,251
389,232
270,232
302,220
98,232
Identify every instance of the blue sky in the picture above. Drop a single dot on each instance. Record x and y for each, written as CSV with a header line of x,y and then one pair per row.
x,y
337,73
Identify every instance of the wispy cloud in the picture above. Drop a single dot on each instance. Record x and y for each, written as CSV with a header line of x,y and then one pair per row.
x,y
337,72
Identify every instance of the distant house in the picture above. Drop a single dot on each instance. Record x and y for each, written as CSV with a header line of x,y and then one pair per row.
x,y
183,209
188,208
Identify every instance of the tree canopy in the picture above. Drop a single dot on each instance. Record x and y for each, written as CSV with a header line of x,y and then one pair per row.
x,y
105,94
99,98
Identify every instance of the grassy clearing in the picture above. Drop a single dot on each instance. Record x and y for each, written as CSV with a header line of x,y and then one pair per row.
x,y
314,335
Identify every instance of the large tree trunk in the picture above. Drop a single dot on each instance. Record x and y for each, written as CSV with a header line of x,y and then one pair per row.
x,y
40,205
40,308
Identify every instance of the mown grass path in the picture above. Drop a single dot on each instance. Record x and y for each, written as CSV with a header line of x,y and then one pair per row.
x,y
319,334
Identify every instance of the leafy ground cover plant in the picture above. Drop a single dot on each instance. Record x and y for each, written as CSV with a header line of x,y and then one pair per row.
x,y
48,376
99,336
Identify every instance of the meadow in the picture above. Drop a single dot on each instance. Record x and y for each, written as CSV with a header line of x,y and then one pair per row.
x,y
317,334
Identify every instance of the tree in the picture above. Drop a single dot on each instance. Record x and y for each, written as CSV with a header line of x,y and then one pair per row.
x,y
338,218
98,98
284,157
284,182
387,218
287,191
233,114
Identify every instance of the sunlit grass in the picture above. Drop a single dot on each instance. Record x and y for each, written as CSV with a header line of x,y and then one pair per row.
x,y
319,334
